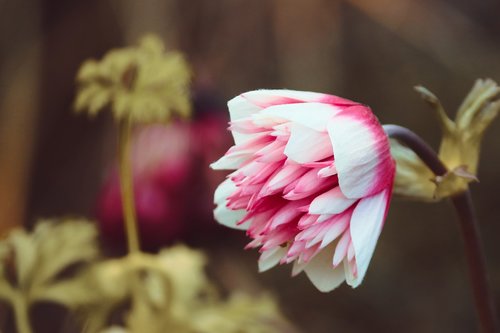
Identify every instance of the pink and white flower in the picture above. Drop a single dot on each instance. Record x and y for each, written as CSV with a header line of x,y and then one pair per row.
x,y
312,182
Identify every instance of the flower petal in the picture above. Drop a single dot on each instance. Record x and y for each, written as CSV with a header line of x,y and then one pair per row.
x,y
298,267
312,115
306,145
231,161
309,184
239,108
366,224
270,258
321,272
362,152
223,191
286,214
282,178
340,226
268,97
331,202
341,249
229,217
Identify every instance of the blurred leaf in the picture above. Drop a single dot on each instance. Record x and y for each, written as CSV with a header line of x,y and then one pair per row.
x,y
143,83
170,292
40,262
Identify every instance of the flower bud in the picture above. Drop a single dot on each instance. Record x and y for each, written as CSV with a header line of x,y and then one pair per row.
x,y
459,148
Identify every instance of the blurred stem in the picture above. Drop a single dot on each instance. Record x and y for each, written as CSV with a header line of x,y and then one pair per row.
x,y
127,186
21,315
474,253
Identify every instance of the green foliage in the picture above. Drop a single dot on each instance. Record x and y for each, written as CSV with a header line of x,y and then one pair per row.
x,y
459,149
144,84
168,292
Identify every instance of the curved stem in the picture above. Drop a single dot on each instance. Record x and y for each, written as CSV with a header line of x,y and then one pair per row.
x,y
126,185
474,253
419,146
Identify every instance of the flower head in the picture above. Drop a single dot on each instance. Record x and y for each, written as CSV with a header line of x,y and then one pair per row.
x,y
312,182
144,83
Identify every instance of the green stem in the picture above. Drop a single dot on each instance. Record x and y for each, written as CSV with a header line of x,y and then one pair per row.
x,y
127,186
21,315
474,253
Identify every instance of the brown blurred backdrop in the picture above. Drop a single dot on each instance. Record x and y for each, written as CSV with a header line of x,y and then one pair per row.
x,y
52,162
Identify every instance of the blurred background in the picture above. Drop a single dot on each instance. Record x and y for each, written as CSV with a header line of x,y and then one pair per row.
x,y
54,163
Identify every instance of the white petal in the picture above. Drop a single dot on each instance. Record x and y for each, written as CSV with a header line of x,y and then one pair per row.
x,y
341,249
231,161
350,251
298,267
307,145
224,190
366,224
362,153
328,170
330,202
268,97
270,258
239,108
324,217
312,115
340,226
321,272
229,217
350,279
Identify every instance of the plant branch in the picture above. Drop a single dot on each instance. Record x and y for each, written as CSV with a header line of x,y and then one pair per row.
x,y
474,253
419,146
127,187
21,315
464,207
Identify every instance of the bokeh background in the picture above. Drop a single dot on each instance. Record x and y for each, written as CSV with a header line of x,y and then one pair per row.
x,y
54,163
